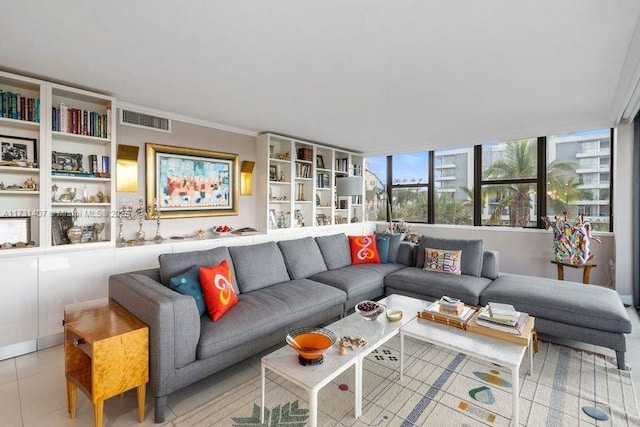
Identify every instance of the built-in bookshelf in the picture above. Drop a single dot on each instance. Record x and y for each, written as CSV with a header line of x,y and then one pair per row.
x,y
47,170
81,132
21,173
300,184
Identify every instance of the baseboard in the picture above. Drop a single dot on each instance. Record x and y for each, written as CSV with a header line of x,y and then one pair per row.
x,y
50,341
18,349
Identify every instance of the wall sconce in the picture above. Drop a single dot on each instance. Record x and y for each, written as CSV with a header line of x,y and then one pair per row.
x,y
127,168
246,178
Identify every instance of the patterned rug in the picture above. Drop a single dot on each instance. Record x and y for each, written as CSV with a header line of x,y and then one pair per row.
x,y
440,388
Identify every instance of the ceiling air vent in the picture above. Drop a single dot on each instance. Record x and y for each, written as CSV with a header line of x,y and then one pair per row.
x,y
146,121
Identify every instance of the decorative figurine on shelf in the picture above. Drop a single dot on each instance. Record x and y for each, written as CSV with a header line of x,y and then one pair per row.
x,y
100,197
74,234
54,190
1,186
571,242
30,184
155,213
200,234
97,229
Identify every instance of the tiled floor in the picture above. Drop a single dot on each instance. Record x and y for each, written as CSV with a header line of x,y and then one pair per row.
x,y
33,393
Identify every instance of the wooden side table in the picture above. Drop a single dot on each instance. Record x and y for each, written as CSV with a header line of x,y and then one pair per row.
x,y
106,353
586,269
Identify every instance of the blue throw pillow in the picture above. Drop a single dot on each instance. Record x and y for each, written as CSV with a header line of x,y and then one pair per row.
x,y
188,283
383,248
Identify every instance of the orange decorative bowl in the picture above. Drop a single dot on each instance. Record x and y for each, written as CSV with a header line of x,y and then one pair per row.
x,y
310,343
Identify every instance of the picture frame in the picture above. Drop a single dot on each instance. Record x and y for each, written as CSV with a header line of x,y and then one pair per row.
x,y
61,222
188,182
273,172
319,161
15,229
18,151
66,162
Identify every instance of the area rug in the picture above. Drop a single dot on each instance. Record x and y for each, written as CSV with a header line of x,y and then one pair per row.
x,y
440,388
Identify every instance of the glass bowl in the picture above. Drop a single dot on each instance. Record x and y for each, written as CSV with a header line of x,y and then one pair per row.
x,y
370,309
310,343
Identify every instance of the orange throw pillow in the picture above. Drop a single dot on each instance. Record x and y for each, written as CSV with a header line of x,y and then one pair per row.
x,y
217,289
364,250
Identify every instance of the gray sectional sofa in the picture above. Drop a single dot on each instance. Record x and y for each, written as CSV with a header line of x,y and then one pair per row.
x,y
310,281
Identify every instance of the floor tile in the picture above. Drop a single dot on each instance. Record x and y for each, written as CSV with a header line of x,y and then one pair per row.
x,y
10,413
43,393
8,371
40,361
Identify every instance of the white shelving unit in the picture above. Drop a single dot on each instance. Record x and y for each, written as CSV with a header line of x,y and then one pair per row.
x,y
299,184
72,148
22,142
31,142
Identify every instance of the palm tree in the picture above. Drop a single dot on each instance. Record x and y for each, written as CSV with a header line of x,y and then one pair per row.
x,y
519,161
562,188
449,210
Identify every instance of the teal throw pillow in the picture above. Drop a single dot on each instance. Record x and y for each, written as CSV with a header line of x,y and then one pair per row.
x,y
383,248
188,283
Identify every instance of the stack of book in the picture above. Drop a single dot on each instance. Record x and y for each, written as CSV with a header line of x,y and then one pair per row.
x,y
502,317
449,312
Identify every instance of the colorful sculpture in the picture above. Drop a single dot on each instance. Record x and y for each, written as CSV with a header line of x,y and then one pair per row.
x,y
571,242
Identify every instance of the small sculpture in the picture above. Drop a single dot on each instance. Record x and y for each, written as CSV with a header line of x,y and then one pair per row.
x,y
30,184
571,242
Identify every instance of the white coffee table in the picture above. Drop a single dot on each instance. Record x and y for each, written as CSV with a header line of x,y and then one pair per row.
x,y
478,346
284,361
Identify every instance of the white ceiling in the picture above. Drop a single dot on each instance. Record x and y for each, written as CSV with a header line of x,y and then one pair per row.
x,y
371,75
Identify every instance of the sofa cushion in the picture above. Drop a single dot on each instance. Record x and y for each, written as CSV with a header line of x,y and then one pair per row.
x,y
490,264
357,279
363,250
173,264
258,266
260,312
302,257
394,245
218,291
434,285
471,261
335,250
382,243
574,303
442,261
188,283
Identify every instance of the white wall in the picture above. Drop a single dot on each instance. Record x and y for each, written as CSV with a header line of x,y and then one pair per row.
x,y
623,210
191,136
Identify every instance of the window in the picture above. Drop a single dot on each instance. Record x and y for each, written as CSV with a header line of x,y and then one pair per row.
x,y
409,188
507,183
578,176
453,182
375,176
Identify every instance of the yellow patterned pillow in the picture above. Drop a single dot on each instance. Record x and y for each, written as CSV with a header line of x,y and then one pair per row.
x,y
442,261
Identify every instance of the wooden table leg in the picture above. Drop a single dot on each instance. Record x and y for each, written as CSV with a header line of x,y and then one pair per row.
x,y
72,394
586,274
141,390
560,271
98,408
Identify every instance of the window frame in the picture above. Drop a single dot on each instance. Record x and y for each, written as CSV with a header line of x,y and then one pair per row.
x,y
540,184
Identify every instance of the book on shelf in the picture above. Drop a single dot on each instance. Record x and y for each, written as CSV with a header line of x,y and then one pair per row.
x,y
483,319
19,107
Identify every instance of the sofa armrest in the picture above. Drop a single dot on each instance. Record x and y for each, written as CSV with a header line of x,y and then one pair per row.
x,y
172,318
490,264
